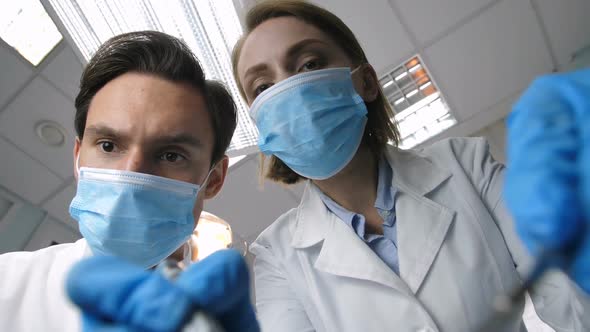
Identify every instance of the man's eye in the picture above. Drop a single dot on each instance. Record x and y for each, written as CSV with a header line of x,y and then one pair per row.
x,y
107,146
171,157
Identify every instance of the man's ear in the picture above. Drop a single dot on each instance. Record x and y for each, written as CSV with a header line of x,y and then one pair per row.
x,y
77,145
216,178
366,83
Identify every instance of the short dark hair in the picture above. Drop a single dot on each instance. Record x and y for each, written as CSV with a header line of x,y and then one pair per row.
x,y
164,56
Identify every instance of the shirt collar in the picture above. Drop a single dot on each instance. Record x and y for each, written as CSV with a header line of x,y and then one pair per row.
x,y
338,210
385,191
383,202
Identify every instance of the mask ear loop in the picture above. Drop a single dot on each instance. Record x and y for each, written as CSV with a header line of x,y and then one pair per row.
x,y
355,69
78,164
352,72
187,250
207,178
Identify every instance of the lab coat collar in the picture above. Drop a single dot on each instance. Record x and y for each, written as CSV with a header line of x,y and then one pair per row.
x,y
309,230
415,173
422,226
411,172
342,253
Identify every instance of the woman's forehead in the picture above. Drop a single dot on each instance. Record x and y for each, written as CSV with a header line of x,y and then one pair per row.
x,y
273,38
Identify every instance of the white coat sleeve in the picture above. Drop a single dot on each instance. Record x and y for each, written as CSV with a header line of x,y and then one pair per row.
x,y
557,300
277,306
12,287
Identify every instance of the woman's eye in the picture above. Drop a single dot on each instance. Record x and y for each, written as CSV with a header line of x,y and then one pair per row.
x,y
310,65
107,146
261,89
171,157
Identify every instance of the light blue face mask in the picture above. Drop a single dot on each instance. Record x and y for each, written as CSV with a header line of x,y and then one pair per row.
x,y
140,217
314,122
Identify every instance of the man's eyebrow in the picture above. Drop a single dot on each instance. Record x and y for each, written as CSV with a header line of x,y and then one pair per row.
x,y
169,139
102,130
182,138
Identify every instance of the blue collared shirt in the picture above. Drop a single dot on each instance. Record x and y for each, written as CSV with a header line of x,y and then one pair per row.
x,y
383,245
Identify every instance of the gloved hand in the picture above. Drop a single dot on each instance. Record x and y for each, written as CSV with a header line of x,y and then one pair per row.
x,y
547,185
114,295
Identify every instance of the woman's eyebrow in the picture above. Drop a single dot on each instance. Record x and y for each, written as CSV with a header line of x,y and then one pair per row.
x,y
259,68
301,45
291,52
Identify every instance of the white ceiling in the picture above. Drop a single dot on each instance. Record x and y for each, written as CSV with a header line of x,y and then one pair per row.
x,y
25,176
58,204
566,24
383,38
15,74
444,15
39,100
38,173
481,53
488,58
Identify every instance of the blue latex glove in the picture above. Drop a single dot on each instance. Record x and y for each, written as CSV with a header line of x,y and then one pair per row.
x,y
547,185
114,295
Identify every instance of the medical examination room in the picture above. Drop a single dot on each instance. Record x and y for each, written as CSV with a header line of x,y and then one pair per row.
x,y
295,165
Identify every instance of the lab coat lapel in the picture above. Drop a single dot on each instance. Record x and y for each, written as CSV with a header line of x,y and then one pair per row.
x,y
422,224
342,252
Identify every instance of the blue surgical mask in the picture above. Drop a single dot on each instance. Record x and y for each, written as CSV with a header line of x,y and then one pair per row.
x,y
139,217
314,122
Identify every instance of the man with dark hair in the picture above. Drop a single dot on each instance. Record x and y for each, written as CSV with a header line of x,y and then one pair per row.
x,y
151,139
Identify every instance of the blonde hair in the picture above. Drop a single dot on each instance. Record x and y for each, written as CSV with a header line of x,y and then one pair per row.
x,y
381,128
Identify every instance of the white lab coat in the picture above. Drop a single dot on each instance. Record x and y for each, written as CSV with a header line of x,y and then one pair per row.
x,y
32,292
457,250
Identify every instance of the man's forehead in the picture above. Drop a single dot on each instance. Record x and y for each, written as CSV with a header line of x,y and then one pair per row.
x,y
142,104
145,90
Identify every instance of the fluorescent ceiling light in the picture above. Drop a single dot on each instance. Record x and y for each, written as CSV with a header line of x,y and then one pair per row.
x,y
387,84
416,67
425,85
400,76
418,105
411,93
25,25
423,115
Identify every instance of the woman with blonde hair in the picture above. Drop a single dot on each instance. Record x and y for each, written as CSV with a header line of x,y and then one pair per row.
x,y
383,239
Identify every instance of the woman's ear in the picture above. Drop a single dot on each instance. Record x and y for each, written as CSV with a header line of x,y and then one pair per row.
x,y
216,178
366,83
77,145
